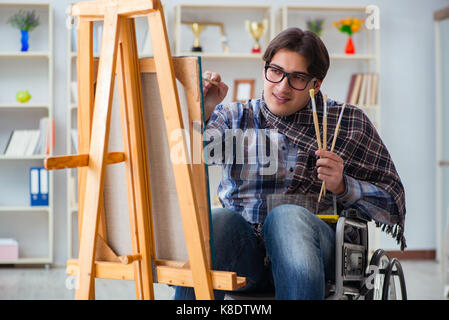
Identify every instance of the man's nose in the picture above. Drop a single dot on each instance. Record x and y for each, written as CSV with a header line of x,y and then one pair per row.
x,y
284,84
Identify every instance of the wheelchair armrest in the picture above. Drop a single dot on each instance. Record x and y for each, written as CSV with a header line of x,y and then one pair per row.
x,y
331,218
348,213
355,214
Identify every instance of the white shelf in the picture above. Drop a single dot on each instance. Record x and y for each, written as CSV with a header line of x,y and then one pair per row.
x,y
42,260
259,56
325,8
28,54
255,56
33,157
343,56
24,106
24,209
224,6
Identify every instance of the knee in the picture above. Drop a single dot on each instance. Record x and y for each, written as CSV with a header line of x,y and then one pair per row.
x,y
287,215
225,223
223,219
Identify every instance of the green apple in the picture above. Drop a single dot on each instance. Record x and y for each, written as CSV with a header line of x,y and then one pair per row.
x,y
23,96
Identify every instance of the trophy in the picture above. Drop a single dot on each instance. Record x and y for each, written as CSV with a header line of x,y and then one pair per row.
x,y
256,30
197,28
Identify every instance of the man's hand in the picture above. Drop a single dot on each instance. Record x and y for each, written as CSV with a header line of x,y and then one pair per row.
x,y
213,93
330,169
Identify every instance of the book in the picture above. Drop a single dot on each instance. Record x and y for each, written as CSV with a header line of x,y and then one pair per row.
x,y
22,143
50,137
361,99
38,186
374,89
8,142
17,144
356,89
46,139
351,87
40,149
366,100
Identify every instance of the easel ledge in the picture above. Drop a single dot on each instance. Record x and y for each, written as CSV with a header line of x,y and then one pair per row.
x,y
167,272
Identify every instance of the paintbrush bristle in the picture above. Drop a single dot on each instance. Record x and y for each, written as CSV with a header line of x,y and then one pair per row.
x,y
312,93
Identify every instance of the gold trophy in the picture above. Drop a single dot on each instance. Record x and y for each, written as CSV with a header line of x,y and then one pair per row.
x,y
197,28
256,30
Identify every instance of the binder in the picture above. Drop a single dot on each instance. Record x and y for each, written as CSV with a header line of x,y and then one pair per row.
x,y
38,186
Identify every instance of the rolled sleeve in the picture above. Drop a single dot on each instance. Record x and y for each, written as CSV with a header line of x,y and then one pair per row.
x,y
352,194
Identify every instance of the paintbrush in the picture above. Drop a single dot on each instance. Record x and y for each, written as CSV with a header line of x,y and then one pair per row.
x,y
337,129
315,117
324,131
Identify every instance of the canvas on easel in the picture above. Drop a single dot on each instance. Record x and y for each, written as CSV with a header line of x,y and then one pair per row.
x,y
156,188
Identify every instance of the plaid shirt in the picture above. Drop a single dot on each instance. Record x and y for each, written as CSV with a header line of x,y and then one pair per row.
x,y
244,190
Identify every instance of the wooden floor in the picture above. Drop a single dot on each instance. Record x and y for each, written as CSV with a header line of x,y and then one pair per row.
x,y
423,281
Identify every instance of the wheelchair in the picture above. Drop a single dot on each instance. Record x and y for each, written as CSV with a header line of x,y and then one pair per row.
x,y
380,279
356,278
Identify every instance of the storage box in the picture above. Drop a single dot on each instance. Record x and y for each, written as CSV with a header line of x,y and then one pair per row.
x,y
9,249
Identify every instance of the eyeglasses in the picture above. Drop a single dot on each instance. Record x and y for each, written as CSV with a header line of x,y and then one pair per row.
x,y
296,80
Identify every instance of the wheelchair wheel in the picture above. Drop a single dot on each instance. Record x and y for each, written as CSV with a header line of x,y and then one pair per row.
x,y
389,281
376,276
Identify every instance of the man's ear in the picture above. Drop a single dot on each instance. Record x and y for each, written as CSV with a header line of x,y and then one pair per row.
x,y
317,85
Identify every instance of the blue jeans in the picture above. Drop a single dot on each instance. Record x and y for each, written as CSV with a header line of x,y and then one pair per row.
x,y
300,246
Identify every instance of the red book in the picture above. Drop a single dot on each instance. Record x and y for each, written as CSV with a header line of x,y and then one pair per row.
x,y
351,87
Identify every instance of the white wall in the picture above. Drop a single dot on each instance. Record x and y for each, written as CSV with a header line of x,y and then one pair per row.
x,y
408,106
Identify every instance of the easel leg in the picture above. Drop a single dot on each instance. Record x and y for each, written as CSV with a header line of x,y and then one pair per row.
x,y
130,92
85,113
85,104
98,149
173,120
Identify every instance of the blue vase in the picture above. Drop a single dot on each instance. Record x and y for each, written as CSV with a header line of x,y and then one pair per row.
x,y
24,40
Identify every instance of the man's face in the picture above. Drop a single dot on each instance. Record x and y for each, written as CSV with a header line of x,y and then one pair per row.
x,y
281,99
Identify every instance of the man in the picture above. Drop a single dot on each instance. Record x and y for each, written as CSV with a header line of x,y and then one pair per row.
x,y
281,243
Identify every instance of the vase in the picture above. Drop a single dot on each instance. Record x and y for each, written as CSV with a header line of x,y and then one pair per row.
x,y
349,49
24,40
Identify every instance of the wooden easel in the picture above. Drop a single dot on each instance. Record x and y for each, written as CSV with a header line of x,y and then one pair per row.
x,y
119,55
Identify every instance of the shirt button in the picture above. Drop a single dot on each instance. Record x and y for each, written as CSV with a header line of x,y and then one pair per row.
x,y
291,169
283,147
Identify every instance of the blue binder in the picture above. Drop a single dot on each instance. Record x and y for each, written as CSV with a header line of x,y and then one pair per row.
x,y
38,186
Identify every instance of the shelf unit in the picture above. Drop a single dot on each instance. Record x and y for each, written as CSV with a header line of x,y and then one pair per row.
x,y
31,226
367,44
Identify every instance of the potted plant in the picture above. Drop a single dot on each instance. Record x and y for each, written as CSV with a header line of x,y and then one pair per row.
x,y
349,26
25,21
315,26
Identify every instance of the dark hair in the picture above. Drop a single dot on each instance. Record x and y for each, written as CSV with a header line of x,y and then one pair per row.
x,y
307,44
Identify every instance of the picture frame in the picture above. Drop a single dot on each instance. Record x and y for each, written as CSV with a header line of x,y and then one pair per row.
x,y
243,90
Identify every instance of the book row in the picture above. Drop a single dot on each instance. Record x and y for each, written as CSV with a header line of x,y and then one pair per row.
x,y
24,143
363,89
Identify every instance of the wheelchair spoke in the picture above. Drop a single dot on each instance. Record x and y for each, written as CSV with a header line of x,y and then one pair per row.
x,y
389,287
